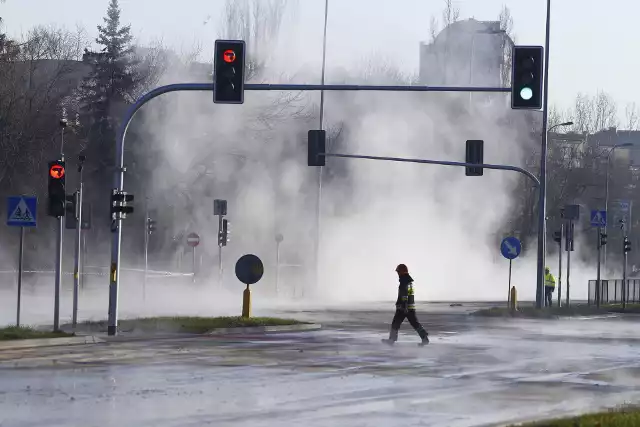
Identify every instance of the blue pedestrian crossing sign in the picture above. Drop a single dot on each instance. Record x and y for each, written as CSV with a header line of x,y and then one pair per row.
x,y
510,247
598,218
22,211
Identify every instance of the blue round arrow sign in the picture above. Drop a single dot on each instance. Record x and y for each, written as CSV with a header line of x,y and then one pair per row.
x,y
510,247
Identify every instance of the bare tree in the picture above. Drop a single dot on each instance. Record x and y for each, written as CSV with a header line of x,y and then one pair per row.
x,y
450,14
605,111
508,40
433,29
258,22
632,118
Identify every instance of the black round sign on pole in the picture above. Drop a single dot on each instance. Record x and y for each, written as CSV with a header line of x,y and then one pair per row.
x,y
249,269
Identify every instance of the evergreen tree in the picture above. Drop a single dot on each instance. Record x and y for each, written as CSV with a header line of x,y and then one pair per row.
x,y
105,93
112,76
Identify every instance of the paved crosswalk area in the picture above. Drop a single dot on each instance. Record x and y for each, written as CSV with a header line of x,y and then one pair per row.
x,y
475,373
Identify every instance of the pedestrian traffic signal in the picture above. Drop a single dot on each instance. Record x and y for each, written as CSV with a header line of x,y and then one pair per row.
x,y
603,239
474,155
228,74
557,237
119,200
627,245
317,144
57,191
151,226
526,79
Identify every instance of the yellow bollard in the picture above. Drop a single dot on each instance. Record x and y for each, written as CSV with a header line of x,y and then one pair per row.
x,y
246,303
513,302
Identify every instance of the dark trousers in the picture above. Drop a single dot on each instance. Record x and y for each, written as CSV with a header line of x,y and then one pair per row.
x,y
548,296
399,317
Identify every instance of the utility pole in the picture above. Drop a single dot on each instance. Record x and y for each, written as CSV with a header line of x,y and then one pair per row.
x,y
78,243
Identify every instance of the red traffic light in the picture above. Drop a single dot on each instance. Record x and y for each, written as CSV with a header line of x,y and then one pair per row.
x,y
229,56
56,171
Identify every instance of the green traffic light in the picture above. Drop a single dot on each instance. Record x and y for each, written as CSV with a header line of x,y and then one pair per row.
x,y
526,93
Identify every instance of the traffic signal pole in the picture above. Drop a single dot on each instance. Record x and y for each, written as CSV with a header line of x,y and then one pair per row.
x,y
146,249
59,233
560,266
116,236
78,246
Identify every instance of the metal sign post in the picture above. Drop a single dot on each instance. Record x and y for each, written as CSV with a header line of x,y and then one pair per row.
x,y
510,249
20,259
193,240
21,212
598,287
279,239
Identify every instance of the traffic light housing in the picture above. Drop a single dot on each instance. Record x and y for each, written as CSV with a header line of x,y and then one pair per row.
x,y
557,237
151,226
474,155
223,236
228,77
527,75
627,245
57,200
603,239
119,200
70,205
317,147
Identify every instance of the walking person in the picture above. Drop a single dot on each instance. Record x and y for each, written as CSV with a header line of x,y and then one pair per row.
x,y
549,287
405,308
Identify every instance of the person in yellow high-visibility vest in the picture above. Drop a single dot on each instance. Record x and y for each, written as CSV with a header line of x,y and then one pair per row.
x,y
549,287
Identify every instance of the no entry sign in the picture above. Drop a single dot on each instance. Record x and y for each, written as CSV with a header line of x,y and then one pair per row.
x,y
193,240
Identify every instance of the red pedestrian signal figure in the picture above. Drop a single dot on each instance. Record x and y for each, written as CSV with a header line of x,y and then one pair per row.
x,y
56,171
229,56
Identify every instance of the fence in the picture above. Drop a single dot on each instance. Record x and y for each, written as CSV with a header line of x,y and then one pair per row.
x,y
611,291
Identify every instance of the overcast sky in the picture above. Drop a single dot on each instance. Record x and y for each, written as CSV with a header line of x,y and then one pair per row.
x,y
594,44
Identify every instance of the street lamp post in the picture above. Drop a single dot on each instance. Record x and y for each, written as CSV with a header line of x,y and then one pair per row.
x,y
542,193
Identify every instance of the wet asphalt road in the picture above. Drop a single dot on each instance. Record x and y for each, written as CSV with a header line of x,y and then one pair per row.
x,y
476,372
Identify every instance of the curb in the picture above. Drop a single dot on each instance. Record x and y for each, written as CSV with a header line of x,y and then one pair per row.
x,y
215,332
266,329
49,342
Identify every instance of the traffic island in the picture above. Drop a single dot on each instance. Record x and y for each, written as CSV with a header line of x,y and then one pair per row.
x,y
195,325
577,310
628,416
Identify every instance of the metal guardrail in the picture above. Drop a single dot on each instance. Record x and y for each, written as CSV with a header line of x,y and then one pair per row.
x,y
611,291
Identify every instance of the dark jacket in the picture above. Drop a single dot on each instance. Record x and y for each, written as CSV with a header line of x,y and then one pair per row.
x,y
405,299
